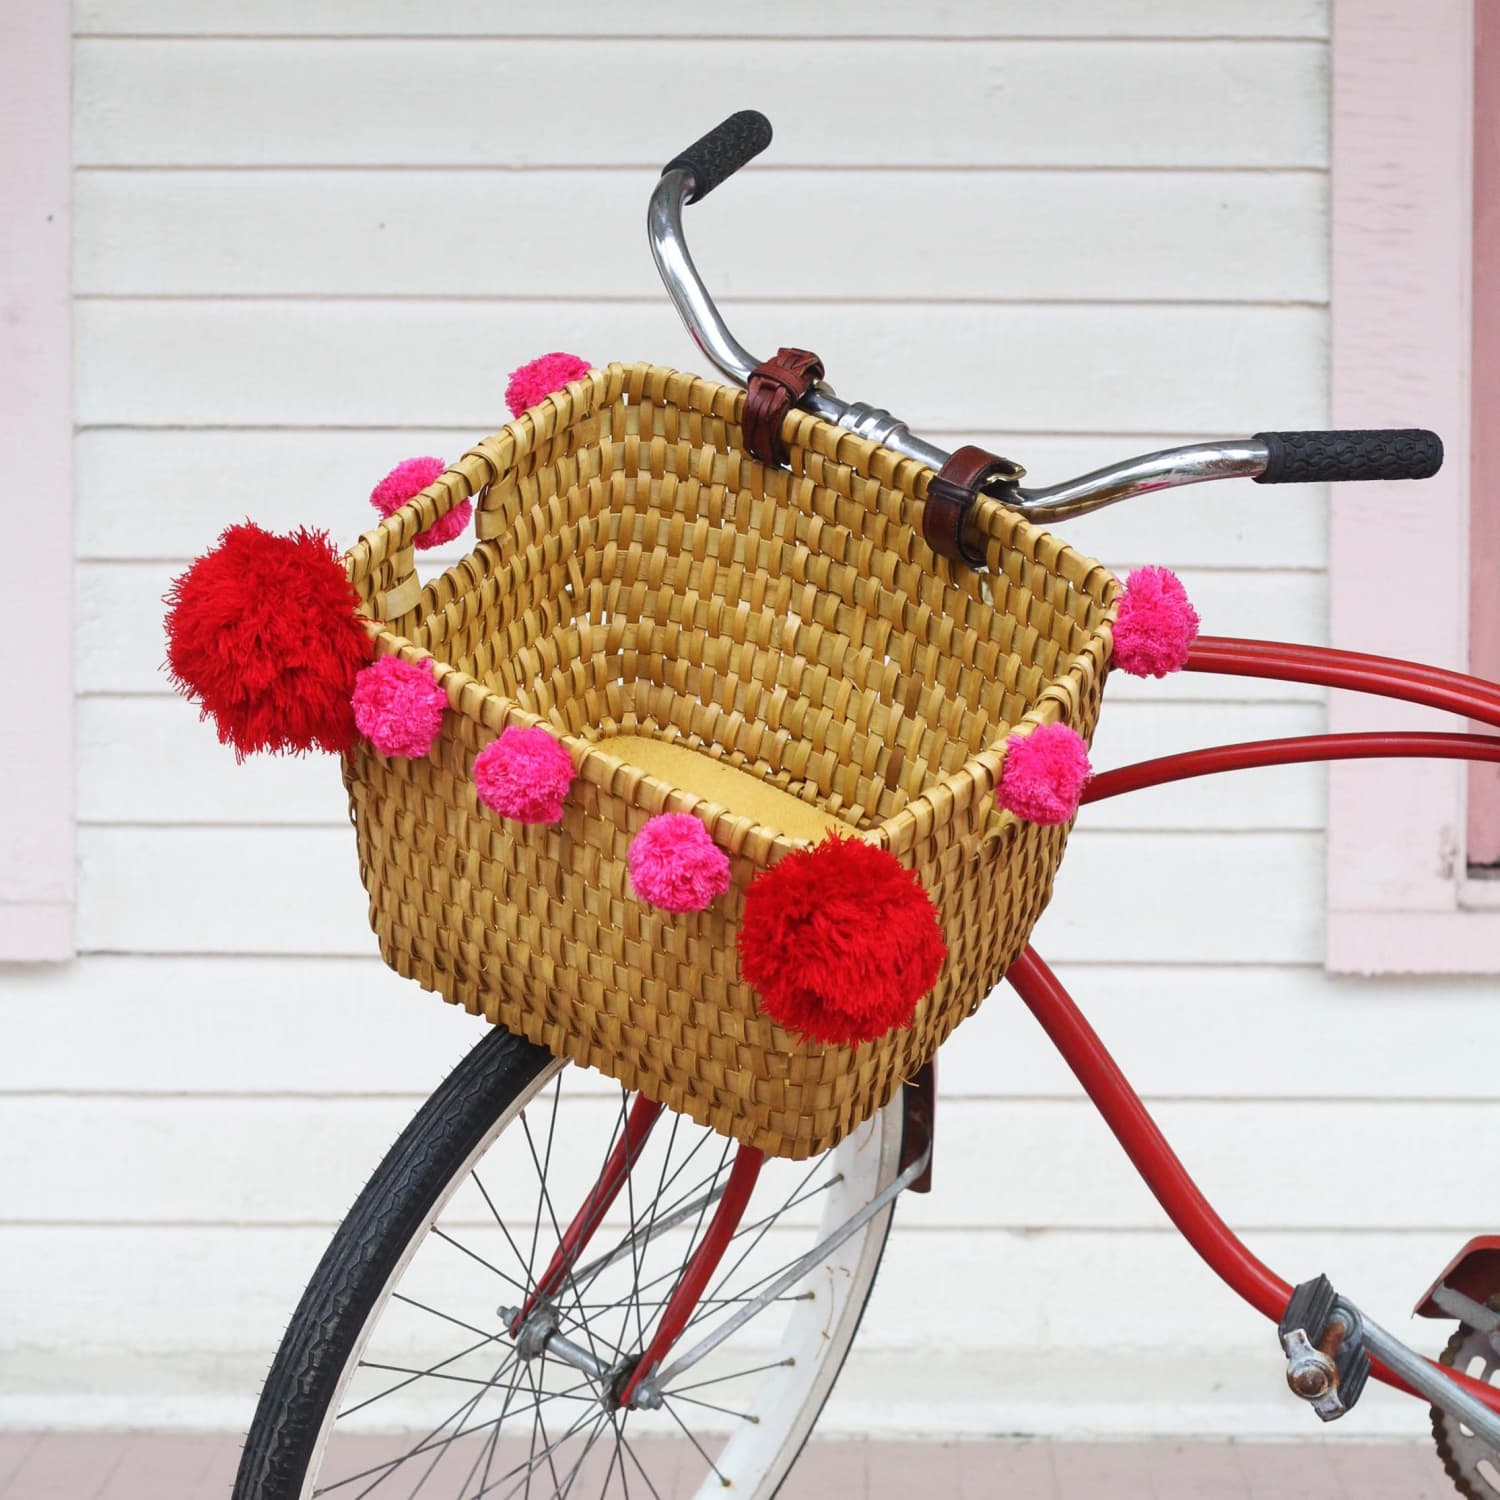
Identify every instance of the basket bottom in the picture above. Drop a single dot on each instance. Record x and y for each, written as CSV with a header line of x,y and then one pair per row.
x,y
714,780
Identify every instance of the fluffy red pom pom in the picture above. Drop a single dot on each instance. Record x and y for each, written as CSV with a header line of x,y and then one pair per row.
x,y
841,941
408,479
675,864
1044,774
540,377
1156,624
262,632
398,706
525,774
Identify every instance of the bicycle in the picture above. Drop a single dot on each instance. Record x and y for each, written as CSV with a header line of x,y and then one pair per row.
x,y
689,1304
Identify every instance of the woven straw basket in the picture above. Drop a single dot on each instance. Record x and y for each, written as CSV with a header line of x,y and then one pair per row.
x,y
774,651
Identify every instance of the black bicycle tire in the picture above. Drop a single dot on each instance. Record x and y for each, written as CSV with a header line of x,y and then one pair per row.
x,y
367,1247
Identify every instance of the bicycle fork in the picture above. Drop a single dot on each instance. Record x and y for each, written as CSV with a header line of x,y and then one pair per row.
x,y
642,1381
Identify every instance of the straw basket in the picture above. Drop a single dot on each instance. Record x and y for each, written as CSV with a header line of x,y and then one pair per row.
x,y
775,651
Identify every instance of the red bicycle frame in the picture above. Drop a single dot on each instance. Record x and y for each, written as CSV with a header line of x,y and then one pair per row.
x,y
1066,1025
1080,1046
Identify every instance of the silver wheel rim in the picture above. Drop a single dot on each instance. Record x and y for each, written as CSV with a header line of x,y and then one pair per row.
x,y
501,1427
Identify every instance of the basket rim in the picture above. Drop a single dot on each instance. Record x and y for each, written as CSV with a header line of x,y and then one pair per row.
x,y
937,804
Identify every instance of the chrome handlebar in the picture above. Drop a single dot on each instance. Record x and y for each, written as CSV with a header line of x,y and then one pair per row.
x,y
1226,458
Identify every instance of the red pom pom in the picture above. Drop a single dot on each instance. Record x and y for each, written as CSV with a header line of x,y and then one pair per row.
x,y
262,632
539,378
841,941
1044,774
407,480
1156,624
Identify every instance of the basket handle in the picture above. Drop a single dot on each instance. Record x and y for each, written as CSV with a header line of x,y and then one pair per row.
x,y
382,564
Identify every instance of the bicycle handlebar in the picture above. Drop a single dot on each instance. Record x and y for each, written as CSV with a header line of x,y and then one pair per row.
x,y
1267,458
723,151
1372,453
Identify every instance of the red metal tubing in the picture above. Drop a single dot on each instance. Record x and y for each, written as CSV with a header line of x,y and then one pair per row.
x,y
705,1260
1148,1149
1320,666
1287,752
1141,1137
644,1113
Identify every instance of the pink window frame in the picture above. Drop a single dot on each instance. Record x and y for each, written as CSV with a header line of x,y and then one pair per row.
x,y
36,435
1403,214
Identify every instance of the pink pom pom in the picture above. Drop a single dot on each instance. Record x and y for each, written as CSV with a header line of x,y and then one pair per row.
x,y
540,378
674,864
409,478
1156,624
1044,774
398,706
525,774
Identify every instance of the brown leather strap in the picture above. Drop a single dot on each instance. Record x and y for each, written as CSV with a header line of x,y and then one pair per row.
x,y
950,493
776,386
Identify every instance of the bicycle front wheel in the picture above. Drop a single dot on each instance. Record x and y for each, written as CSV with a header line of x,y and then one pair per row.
x,y
399,1374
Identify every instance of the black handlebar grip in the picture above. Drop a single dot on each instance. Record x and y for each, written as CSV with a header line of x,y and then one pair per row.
x,y
1379,453
723,151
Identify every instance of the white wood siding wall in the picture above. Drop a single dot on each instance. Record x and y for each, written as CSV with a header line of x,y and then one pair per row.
x,y
312,238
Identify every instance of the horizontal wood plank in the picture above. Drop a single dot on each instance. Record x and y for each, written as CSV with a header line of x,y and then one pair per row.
x,y
1250,898
965,19
151,494
395,363
124,777
120,645
1027,1164
231,1290
346,102
330,1027
1175,236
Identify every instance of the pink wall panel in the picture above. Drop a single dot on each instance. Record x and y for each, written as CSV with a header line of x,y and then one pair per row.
x,y
36,438
1484,475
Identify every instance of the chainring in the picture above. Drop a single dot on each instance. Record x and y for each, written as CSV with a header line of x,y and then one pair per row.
x,y
1461,1451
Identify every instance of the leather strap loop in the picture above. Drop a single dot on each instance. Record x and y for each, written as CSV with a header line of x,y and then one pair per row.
x,y
775,387
950,493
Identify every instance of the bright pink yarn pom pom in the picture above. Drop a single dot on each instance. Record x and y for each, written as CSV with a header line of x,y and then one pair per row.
x,y
675,864
398,706
410,477
540,378
1044,774
525,774
1156,624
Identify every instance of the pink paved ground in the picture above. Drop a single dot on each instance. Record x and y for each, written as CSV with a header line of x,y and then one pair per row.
x,y
108,1466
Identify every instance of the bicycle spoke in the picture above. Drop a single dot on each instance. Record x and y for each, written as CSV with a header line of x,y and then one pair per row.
x,y
792,1200
743,1416
415,1374
697,1385
538,1424
515,1248
443,1234
640,1468
438,1313
459,1415
703,1452
537,1428
541,1164
426,1446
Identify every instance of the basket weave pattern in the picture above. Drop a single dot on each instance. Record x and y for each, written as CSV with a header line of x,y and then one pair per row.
x,y
638,573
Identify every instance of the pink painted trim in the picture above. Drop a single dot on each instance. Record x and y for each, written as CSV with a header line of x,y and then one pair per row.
x,y
1484,459
1402,136
36,435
